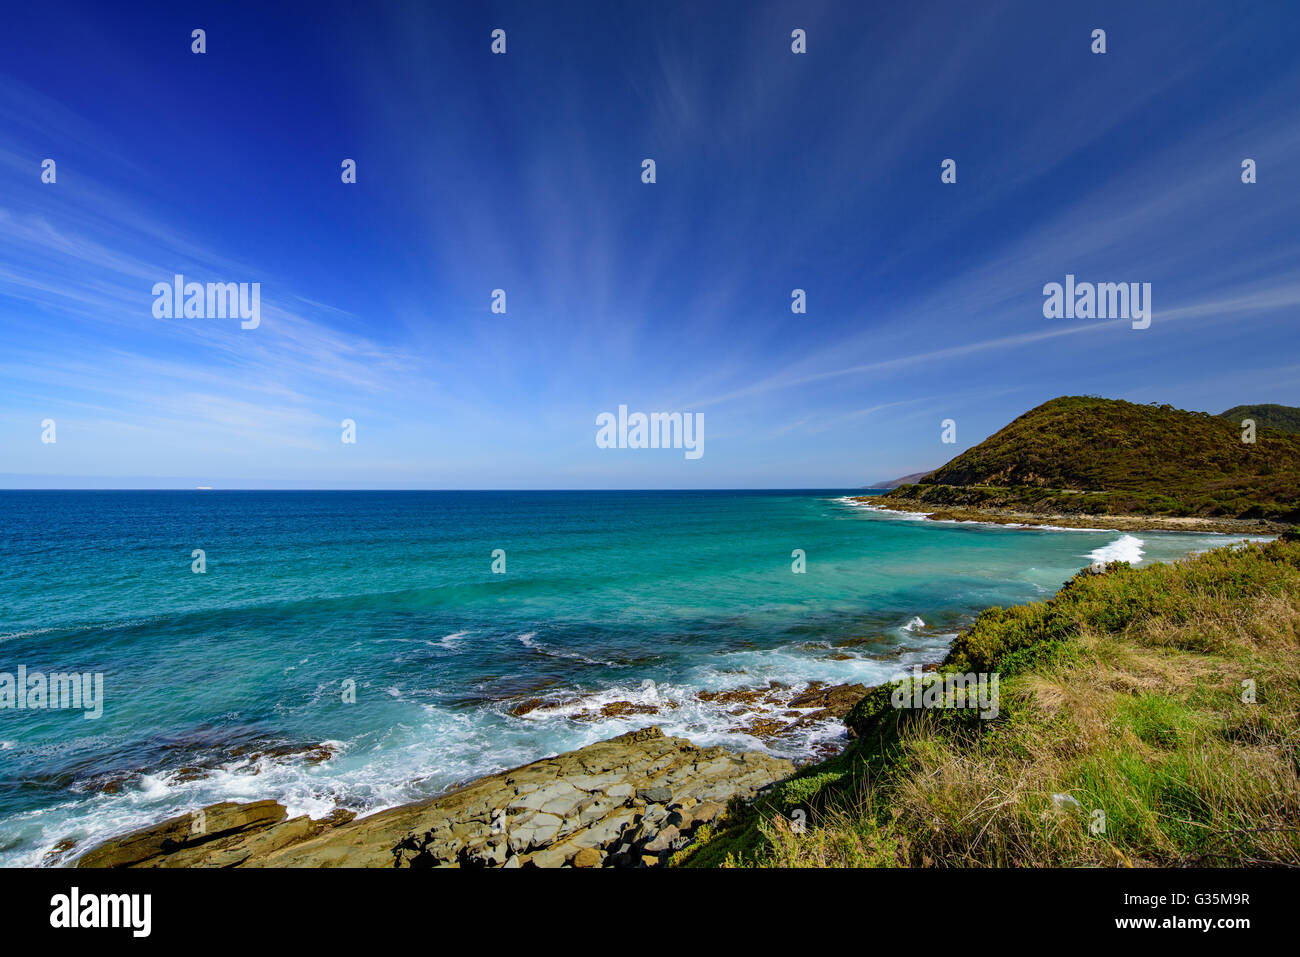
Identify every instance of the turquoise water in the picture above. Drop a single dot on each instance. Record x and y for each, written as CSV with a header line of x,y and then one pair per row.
x,y
223,685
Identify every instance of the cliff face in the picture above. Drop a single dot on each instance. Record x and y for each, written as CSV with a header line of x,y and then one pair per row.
x,y
629,801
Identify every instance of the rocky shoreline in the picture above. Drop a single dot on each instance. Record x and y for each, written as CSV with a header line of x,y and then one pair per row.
x,y
1121,523
771,713
630,801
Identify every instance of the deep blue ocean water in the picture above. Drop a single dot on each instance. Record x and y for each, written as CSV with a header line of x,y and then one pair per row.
x,y
224,685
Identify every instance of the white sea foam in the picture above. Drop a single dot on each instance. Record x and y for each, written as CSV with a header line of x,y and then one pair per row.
x,y
916,516
371,772
1017,526
26,634
885,512
1126,548
778,675
442,747
528,640
678,710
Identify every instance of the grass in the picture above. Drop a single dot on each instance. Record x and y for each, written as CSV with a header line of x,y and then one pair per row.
x,y
1123,692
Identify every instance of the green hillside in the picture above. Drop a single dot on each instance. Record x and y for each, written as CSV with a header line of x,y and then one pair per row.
x,y
1284,417
1088,455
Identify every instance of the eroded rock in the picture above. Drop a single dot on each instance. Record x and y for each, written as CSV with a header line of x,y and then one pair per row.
x,y
182,832
628,801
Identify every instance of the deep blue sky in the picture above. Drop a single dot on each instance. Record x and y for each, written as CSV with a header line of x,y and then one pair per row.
x,y
523,172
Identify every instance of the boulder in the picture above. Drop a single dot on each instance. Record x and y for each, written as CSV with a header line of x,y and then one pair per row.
x,y
183,831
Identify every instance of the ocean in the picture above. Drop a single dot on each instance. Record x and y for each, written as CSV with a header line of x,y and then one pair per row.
x,y
615,610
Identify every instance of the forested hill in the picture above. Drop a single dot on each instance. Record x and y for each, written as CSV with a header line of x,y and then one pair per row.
x,y
1094,455
1284,417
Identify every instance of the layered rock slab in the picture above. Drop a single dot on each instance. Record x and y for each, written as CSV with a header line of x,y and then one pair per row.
x,y
628,801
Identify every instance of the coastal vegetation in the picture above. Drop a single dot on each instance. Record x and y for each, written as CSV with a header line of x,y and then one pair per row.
x,y
1083,455
1148,717
1267,416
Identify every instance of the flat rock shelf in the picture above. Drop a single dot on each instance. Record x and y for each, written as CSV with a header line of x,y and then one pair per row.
x,y
626,802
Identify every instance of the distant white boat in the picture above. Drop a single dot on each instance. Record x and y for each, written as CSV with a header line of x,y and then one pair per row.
x,y
203,488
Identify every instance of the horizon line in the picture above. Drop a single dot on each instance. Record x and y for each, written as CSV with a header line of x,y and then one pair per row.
x,y
773,488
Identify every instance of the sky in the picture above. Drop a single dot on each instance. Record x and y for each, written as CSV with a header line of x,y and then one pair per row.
x,y
523,171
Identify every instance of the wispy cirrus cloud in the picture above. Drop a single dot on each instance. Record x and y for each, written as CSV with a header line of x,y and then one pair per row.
x,y
522,172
